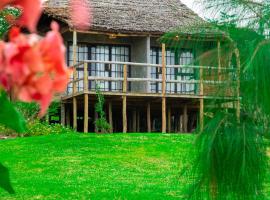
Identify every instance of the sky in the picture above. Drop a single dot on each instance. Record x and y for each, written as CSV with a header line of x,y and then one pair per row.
x,y
191,4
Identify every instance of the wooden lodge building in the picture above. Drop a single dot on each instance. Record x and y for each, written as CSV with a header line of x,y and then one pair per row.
x,y
148,86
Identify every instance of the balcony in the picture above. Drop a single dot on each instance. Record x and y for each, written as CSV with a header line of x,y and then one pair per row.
x,y
136,79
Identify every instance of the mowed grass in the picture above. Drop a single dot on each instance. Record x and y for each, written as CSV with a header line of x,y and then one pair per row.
x,y
131,166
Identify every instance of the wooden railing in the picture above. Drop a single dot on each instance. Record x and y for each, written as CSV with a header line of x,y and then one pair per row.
x,y
207,82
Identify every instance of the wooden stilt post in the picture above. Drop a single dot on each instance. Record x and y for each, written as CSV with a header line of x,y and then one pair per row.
x,y
134,121
138,121
63,114
86,110
148,117
219,60
201,101
238,105
74,80
169,119
68,113
163,88
125,100
86,102
74,113
181,124
110,116
185,119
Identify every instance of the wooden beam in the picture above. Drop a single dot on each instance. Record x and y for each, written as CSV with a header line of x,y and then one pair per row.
x,y
63,114
149,117
110,116
85,77
124,114
68,113
74,113
169,119
238,105
134,121
138,121
74,79
219,60
86,104
185,119
201,101
163,88
75,75
125,100
181,124
201,114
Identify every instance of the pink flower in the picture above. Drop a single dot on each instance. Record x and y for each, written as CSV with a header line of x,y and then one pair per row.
x,y
31,11
3,75
34,67
81,14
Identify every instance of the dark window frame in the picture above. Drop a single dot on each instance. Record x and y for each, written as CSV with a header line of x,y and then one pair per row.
x,y
90,65
176,74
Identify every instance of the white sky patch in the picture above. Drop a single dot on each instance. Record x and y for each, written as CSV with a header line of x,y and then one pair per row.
x,y
197,8
191,4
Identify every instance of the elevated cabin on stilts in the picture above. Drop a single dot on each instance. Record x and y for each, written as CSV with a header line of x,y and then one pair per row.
x,y
150,84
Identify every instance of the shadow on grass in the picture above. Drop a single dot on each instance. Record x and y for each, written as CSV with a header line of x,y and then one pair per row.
x,y
5,180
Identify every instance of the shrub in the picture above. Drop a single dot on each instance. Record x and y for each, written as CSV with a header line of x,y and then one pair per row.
x,y
28,110
6,131
101,123
37,128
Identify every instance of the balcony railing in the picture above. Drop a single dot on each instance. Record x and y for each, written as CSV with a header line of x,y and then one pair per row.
x,y
138,79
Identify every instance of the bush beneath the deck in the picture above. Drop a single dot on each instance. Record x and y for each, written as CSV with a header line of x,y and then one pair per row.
x,y
37,128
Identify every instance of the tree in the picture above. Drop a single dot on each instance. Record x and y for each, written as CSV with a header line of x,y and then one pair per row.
x,y
231,159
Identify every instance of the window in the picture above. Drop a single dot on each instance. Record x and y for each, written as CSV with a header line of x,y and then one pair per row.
x,y
82,54
184,57
102,53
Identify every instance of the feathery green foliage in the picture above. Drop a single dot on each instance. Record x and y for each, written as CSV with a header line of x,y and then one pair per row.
x,y
101,123
231,153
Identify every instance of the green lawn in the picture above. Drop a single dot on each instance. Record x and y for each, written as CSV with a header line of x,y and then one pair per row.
x,y
133,166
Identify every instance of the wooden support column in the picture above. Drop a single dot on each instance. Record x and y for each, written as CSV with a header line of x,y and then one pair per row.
x,y
201,101
169,119
74,80
238,105
68,113
110,116
138,121
125,100
219,60
74,113
163,88
181,124
63,114
86,110
185,119
86,102
85,77
148,117
134,121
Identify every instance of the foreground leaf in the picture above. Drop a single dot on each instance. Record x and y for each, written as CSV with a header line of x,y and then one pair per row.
x,y
9,116
5,180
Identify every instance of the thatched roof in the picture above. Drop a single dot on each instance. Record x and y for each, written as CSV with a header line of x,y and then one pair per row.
x,y
200,31
130,16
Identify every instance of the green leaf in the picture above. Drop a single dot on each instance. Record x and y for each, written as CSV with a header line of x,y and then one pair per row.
x,y
9,116
5,182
